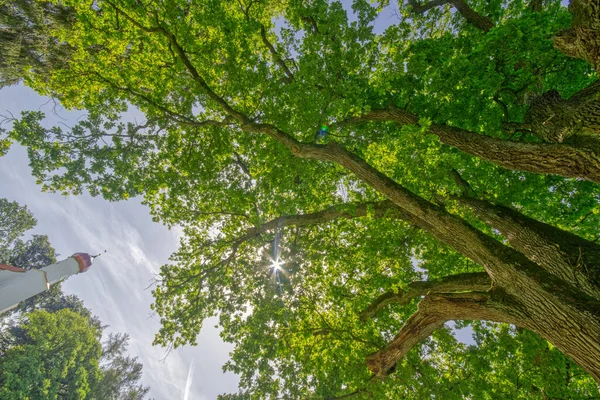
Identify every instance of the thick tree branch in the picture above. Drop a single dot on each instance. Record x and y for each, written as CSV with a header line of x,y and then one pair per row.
x,y
475,282
545,158
472,16
582,40
433,312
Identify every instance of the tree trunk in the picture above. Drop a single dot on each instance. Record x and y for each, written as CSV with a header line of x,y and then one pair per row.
x,y
523,293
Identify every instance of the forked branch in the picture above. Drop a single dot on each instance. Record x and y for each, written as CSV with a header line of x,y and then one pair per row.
x,y
435,310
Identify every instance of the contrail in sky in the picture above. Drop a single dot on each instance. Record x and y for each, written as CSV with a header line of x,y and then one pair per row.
x,y
188,384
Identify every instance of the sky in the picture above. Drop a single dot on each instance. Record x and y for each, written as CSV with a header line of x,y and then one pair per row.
x,y
115,288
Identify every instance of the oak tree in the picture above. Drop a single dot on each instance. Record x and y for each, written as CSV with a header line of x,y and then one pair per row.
x,y
436,188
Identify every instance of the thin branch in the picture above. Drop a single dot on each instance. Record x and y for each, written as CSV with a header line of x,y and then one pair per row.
x,y
242,165
343,211
289,75
350,395
472,16
504,107
313,23
477,281
536,5
582,219
176,117
230,213
461,183
419,8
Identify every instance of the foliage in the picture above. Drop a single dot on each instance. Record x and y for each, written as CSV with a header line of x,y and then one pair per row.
x,y
34,253
26,43
229,90
90,369
14,221
55,357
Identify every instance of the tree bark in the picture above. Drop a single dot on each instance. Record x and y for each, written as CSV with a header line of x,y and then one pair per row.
x,y
582,40
563,254
575,121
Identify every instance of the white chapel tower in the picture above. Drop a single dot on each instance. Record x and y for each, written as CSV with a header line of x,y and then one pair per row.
x,y
17,284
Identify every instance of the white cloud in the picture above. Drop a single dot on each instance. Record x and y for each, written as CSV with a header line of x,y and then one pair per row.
x,y
188,384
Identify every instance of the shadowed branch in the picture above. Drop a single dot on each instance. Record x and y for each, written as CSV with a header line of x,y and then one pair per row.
x,y
477,281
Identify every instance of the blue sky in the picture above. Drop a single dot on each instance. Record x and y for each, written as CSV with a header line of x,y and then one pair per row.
x,y
115,287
